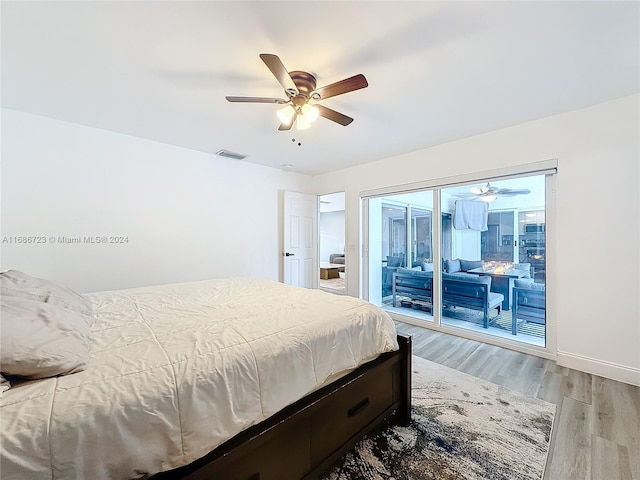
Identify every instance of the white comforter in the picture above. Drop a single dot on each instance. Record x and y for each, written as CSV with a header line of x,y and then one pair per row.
x,y
178,369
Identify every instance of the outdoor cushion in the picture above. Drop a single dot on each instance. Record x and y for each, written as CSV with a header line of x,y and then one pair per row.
x,y
524,266
452,266
466,265
528,283
467,277
394,261
427,267
414,269
495,299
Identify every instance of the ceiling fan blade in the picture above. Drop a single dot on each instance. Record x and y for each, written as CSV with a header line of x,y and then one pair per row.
x,y
343,86
511,192
279,101
280,72
333,115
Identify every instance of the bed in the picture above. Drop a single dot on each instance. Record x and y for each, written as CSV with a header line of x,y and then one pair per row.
x,y
238,378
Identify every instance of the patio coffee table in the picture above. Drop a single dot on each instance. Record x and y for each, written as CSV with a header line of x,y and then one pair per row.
x,y
329,270
501,282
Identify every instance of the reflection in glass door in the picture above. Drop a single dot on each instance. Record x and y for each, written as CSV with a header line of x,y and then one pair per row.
x,y
421,236
498,241
394,243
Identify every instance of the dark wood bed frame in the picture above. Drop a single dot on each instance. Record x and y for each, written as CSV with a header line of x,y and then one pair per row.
x,y
306,438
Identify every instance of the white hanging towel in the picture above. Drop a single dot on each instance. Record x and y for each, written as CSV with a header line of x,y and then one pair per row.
x,y
471,215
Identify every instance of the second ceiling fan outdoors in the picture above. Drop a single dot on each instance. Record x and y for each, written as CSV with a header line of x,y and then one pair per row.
x,y
489,193
300,89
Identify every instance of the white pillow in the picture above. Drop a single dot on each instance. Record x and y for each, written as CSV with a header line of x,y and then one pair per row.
x,y
15,283
39,340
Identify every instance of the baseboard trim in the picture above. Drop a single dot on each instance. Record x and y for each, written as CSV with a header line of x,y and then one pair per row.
x,y
614,371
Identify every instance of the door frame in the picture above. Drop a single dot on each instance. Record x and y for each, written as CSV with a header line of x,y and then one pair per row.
x,y
549,168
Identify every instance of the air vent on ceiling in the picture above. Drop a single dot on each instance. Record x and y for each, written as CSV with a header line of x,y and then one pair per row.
x,y
229,154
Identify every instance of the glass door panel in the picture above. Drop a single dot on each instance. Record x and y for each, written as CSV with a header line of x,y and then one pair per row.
x,y
421,236
394,245
493,279
401,243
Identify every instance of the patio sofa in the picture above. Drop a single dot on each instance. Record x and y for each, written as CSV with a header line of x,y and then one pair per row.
x,y
458,290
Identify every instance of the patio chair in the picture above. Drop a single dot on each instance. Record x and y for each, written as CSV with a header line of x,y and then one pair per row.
x,y
529,304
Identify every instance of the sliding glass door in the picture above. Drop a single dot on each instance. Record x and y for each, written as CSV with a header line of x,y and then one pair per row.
x,y
492,265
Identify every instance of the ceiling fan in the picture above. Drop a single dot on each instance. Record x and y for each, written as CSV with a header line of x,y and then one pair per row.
x,y
489,193
300,89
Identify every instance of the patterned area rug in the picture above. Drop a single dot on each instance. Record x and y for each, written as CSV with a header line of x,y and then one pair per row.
x,y
503,323
462,428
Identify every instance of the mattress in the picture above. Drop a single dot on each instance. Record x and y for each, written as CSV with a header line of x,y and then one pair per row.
x,y
178,369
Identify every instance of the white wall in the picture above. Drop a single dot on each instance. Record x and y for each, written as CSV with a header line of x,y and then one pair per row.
x,y
331,234
597,242
466,244
188,215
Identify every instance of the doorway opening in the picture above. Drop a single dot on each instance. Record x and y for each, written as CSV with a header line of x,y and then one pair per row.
x,y
332,266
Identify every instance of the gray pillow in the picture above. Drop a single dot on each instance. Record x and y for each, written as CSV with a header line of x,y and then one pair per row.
x,y
394,261
466,265
427,267
15,283
39,340
452,266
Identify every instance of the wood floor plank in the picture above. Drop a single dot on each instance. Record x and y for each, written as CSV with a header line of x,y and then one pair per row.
x,y
551,388
572,445
615,417
609,460
579,386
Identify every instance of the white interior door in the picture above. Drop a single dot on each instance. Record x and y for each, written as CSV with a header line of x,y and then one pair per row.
x,y
300,252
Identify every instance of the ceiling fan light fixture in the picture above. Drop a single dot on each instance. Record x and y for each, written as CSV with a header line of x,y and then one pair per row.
x,y
488,198
310,113
286,114
302,123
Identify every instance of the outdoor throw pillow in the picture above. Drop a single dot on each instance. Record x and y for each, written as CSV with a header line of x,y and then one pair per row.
x,y
466,265
427,267
452,266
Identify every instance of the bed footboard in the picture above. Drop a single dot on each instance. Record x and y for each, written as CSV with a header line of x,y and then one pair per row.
x,y
306,438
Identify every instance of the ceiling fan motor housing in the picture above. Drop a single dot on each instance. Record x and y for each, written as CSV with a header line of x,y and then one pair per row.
x,y
305,82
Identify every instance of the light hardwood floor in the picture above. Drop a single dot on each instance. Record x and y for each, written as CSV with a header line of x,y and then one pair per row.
x,y
596,431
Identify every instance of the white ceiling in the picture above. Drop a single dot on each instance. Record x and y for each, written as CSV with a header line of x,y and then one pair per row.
x,y
437,71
